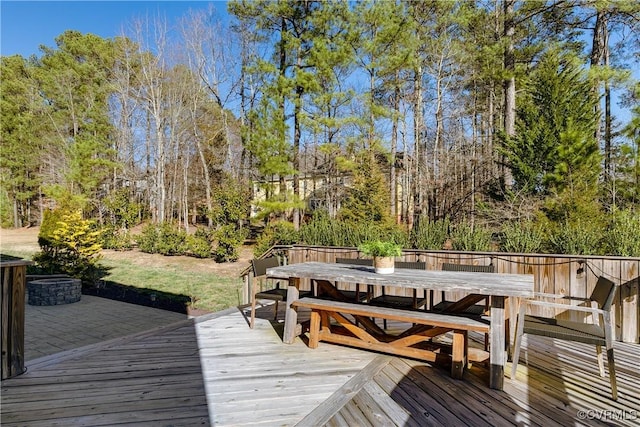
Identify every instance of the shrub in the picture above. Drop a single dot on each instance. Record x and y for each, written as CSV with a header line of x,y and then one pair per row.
x,y
230,205
164,239
579,237
623,234
229,240
69,244
171,240
523,237
397,235
199,243
276,233
116,238
147,240
50,220
467,238
6,213
323,231
430,234
121,211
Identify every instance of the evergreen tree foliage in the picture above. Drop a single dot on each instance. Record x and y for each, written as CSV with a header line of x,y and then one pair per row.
x,y
555,148
621,234
627,178
74,82
121,211
368,196
229,210
22,139
276,233
321,230
465,237
522,237
430,235
229,239
230,205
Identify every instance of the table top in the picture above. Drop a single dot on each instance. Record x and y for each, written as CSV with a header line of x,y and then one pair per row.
x,y
515,285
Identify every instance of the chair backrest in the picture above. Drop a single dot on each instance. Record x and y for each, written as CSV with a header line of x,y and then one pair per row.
x,y
414,265
603,293
355,261
469,267
260,265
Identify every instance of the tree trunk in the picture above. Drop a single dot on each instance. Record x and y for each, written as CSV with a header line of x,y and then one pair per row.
x,y
510,81
296,146
394,146
161,189
608,173
418,127
185,193
16,216
150,178
598,48
282,70
207,182
437,175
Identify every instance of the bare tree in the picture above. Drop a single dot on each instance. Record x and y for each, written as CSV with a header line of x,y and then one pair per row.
x,y
210,55
152,73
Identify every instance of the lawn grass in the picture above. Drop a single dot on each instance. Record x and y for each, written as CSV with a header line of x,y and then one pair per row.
x,y
28,255
207,291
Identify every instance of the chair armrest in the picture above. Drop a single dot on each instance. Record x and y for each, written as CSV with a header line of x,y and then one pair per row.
x,y
559,296
565,306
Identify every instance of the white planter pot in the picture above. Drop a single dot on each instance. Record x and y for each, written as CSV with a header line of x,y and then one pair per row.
x,y
384,265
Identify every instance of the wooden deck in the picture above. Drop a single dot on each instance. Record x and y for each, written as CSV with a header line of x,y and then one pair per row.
x,y
214,370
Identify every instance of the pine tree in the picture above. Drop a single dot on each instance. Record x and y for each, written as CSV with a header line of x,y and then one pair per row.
x,y
555,148
367,198
20,132
74,81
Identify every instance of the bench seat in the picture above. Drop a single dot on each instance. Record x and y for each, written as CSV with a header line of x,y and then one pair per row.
x,y
427,325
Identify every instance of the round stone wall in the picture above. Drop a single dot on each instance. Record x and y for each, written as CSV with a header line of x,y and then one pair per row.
x,y
54,291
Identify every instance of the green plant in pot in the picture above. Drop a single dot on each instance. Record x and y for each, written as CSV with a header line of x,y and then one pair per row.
x,y
383,254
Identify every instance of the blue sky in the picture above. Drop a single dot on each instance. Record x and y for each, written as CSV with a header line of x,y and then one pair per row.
x,y
25,25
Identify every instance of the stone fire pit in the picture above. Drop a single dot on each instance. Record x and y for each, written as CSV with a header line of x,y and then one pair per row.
x,y
54,291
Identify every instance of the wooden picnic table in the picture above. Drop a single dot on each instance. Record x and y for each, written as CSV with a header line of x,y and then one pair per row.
x,y
477,285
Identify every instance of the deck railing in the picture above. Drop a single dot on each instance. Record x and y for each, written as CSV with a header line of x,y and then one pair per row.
x,y
573,275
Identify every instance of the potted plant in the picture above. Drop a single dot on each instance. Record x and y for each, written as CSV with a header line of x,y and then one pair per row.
x,y
383,254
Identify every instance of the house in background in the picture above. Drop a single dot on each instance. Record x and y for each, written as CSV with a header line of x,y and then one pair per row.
x,y
327,191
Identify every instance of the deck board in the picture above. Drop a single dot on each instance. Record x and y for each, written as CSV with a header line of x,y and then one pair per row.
x,y
283,382
215,370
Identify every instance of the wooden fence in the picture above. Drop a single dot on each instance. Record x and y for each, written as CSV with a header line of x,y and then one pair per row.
x,y
573,275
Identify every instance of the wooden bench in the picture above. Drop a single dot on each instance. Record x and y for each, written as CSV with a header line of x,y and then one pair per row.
x,y
427,325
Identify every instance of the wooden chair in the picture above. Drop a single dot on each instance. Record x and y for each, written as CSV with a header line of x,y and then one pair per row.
x,y
596,333
357,295
477,309
398,301
276,294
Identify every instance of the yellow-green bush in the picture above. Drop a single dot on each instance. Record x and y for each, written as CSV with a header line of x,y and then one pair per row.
x,y
69,244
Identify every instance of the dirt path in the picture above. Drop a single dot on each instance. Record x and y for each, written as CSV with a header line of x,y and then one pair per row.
x,y
25,240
